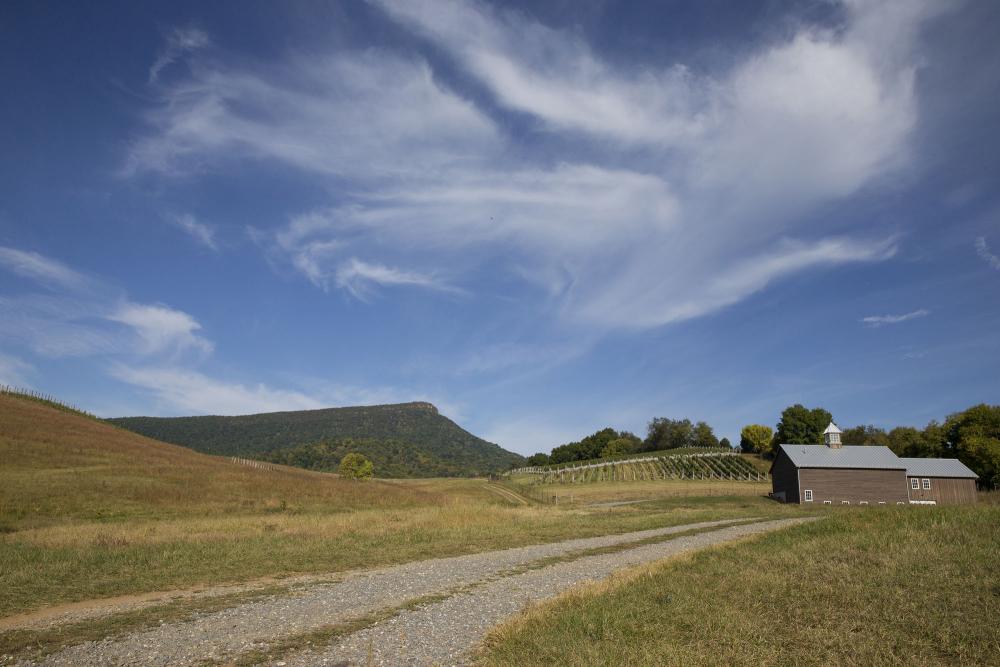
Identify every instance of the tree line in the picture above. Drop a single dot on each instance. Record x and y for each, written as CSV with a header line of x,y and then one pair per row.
x,y
972,436
661,433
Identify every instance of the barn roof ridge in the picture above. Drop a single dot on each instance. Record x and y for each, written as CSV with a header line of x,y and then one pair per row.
x,y
916,467
856,456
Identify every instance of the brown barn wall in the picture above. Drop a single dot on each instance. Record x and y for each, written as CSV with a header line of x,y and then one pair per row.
x,y
945,490
854,485
784,477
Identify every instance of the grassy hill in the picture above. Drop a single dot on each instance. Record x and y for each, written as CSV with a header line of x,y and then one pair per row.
x,y
61,467
88,510
405,439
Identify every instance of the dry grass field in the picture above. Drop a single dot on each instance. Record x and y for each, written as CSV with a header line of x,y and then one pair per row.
x,y
896,586
91,511
607,492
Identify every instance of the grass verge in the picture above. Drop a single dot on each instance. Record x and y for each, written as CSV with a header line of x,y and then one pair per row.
x,y
915,586
70,563
36,644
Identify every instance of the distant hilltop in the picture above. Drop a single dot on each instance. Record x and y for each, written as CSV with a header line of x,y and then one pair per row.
x,y
402,439
420,405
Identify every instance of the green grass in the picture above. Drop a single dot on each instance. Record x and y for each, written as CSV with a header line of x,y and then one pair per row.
x,y
65,564
906,586
89,511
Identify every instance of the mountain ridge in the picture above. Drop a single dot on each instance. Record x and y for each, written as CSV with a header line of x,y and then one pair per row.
x,y
439,445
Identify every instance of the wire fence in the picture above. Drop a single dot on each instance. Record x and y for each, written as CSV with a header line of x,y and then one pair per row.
x,y
42,397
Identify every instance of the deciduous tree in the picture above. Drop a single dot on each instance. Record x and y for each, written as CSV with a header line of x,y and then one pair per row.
x,y
356,466
801,426
756,438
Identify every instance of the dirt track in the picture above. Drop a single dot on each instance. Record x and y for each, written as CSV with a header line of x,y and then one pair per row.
x,y
464,595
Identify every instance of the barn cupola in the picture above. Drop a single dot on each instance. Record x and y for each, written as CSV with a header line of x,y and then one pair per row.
x,y
831,436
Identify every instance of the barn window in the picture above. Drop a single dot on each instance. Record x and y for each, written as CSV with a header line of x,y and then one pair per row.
x,y
845,502
914,483
809,495
927,483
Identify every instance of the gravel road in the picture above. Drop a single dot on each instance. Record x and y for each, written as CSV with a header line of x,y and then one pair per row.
x,y
437,633
447,632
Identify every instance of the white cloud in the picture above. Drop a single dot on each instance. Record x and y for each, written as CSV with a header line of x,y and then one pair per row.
x,y
983,251
192,392
199,231
359,277
161,329
179,42
41,269
663,194
553,75
349,115
876,321
58,326
85,316
186,391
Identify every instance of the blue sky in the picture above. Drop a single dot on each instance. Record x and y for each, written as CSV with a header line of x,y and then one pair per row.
x,y
545,217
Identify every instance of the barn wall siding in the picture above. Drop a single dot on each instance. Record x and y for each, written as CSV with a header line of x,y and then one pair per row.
x,y
945,490
784,477
853,485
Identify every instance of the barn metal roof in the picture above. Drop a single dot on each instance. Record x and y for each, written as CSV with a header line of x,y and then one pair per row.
x,y
821,456
937,468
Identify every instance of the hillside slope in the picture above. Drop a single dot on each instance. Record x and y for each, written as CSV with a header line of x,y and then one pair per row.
x,y
61,467
434,444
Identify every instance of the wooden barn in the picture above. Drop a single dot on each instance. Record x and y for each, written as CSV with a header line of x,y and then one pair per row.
x,y
832,474
941,481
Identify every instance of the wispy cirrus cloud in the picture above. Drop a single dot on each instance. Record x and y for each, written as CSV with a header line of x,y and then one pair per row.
x,y
983,250
41,269
359,277
199,231
161,329
876,321
180,390
652,180
86,316
190,392
179,42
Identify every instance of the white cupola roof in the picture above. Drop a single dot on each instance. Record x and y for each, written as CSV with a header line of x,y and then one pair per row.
x,y
832,428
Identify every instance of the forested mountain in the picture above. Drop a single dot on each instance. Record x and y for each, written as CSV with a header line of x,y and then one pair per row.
x,y
408,439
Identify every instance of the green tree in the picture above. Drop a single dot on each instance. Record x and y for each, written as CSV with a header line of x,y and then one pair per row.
x,y
356,466
756,438
864,435
704,436
539,459
725,443
801,426
663,433
592,446
974,436
617,447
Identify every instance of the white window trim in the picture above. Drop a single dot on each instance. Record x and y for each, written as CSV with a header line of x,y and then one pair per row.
x,y
926,484
845,502
914,483
863,502
808,495
881,502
